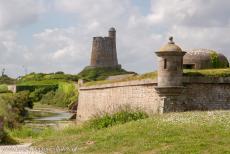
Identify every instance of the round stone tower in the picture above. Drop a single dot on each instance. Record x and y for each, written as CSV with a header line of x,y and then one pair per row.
x,y
170,65
104,52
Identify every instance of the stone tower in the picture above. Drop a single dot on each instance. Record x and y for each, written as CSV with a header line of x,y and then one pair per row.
x,y
170,65
104,52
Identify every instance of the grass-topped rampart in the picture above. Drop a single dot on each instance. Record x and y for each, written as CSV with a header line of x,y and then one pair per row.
x,y
224,72
221,72
151,75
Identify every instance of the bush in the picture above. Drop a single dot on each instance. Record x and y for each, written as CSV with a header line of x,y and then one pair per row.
x,y
216,61
37,94
65,96
3,88
49,76
121,117
7,80
31,88
13,108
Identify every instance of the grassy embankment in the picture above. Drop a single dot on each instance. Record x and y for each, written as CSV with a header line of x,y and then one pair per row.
x,y
189,132
153,75
222,72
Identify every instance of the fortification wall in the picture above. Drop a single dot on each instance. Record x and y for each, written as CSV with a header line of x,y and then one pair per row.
x,y
200,93
206,93
110,97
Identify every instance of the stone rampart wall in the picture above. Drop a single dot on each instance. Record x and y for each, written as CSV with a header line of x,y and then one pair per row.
x,y
200,93
110,97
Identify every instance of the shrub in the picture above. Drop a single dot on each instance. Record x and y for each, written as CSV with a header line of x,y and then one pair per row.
x,y
121,117
7,80
216,61
13,108
65,96
31,88
49,76
37,94
3,88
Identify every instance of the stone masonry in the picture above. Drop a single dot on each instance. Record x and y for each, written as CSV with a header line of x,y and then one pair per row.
x,y
200,93
104,52
110,97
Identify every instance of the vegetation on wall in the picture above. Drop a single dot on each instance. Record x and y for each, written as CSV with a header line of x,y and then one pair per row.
x,y
150,75
216,62
224,72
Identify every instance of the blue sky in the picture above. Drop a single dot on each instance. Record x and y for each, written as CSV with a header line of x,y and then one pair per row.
x,y
56,35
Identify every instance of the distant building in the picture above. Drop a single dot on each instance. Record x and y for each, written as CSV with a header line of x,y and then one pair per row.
x,y
204,59
104,52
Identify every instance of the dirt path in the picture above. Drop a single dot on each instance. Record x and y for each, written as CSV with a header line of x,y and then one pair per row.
x,y
19,149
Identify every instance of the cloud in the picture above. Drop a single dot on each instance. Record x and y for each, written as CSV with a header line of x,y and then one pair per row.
x,y
199,13
15,13
194,24
13,55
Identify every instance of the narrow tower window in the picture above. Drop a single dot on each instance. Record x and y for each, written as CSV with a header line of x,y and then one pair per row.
x,y
165,63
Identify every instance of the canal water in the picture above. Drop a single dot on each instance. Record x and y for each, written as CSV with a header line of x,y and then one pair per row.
x,y
49,117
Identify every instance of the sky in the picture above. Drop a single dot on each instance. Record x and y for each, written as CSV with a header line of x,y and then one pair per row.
x,y
56,35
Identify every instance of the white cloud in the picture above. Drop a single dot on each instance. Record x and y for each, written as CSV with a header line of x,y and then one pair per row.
x,y
15,13
199,13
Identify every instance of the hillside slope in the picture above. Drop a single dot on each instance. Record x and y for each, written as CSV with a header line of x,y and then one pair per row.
x,y
191,132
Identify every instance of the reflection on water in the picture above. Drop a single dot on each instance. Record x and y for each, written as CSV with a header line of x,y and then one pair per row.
x,y
57,119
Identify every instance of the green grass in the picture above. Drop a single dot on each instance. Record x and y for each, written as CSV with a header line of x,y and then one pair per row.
x,y
123,116
224,72
3,88
48,77
190,132
96,74
7,80
28,134
42,82
151,75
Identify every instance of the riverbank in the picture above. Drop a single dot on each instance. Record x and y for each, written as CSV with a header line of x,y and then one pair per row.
x,y
42,120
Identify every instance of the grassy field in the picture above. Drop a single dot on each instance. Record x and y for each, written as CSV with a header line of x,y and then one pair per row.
x,y
189,132
224,72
